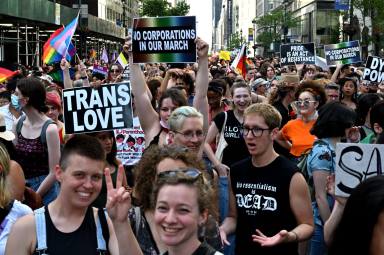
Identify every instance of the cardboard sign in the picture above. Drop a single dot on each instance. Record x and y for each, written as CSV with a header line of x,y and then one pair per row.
x,y
342,53
130,143
356,162
88,110
164,39
374,69
293,54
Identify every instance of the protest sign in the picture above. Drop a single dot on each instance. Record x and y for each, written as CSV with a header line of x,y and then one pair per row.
x,y
342,53
102,70
130,143
374,69
88,110
356,162
164,39
299,53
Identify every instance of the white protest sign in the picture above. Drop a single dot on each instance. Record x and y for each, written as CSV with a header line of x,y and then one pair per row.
x,y
356,162
88,110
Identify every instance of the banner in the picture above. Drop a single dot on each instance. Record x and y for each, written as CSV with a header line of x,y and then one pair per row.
x,y
356,162
250,34
164,39
342,53
88,110
292,54
374,69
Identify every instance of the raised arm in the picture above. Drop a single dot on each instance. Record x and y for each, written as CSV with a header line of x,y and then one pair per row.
x,y
200,101
65,65
149,118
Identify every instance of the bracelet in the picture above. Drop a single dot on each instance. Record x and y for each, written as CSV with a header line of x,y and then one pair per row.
x,y
296,236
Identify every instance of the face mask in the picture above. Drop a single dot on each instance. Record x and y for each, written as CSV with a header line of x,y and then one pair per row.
x,y
15,102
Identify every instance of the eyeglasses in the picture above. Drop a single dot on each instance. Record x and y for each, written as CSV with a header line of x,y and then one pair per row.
x,y
256,131
191,173
190,134
305,103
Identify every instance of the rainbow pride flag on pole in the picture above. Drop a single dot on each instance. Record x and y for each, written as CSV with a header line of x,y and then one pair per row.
x,y
239,64
59,44
6,74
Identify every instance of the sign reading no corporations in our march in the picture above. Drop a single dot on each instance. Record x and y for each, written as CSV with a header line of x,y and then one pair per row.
x,y
88,110
164,39
292,54
356,162
342,53
374,69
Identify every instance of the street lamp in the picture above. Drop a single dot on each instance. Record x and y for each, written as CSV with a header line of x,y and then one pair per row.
x,y
254,37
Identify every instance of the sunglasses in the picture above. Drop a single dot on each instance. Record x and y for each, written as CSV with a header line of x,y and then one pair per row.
x,y
115,71
188,173
304,103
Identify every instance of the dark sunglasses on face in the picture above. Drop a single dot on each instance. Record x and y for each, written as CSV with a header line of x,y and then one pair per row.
x,y
304,103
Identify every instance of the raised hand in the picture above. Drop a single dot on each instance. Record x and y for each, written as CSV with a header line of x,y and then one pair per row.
x,y
201,48
119,198
64,64
263,240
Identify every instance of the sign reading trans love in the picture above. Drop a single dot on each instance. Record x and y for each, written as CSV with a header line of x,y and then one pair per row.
x,y
164,39
87,109
298,53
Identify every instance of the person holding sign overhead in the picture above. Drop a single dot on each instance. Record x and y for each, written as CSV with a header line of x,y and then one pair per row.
x,y
157,131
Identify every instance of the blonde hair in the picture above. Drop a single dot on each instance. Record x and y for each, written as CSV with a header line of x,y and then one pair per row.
x,y
179,115
5,196
269,113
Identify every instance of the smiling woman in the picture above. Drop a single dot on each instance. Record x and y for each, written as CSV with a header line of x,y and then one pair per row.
x,y
182,200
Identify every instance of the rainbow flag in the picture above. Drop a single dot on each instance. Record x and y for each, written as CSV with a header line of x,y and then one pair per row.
x,y
59,43
50,55
240,62
6,74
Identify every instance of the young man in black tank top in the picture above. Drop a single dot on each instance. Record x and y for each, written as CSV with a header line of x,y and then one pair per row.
x,y
80,176
270,206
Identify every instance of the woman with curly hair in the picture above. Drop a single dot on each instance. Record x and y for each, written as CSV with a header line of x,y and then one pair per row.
x,y
295,135
154,160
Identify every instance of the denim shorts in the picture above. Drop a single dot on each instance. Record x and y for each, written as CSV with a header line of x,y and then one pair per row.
x,y
34,183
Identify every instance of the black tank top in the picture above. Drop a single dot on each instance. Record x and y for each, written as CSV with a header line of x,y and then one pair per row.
x,y
262,202
81,241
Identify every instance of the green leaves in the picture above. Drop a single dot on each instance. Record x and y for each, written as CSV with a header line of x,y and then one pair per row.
x,y
159,8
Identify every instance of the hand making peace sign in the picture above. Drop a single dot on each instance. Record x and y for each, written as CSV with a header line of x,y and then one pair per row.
x,y
119,198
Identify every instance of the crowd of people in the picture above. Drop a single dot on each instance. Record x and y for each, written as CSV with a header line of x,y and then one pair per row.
x,y
228,164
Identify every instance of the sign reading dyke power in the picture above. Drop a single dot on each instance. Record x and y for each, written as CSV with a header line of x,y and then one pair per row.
x,y
88,110
165,39
374,69
356,162
292,54
342,53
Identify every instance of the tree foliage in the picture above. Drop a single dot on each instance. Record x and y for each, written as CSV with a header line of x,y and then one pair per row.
x,y
159,8
235,41
274,25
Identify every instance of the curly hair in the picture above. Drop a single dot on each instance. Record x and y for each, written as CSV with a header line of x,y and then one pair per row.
x,y
145,171
313,87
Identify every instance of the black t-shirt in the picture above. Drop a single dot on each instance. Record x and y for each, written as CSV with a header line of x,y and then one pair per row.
x,y
236,149
262,202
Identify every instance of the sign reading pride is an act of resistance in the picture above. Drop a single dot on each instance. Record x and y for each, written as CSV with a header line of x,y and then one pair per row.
x,y
292,54
374,69
88,110
165,39
356,162
342,53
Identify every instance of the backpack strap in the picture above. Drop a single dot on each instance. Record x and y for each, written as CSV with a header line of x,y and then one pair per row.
x,y
43,134
19,124
137,220
101,224
41,230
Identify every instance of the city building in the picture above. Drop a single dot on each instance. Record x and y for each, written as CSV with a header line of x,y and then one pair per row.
x,y
26,25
